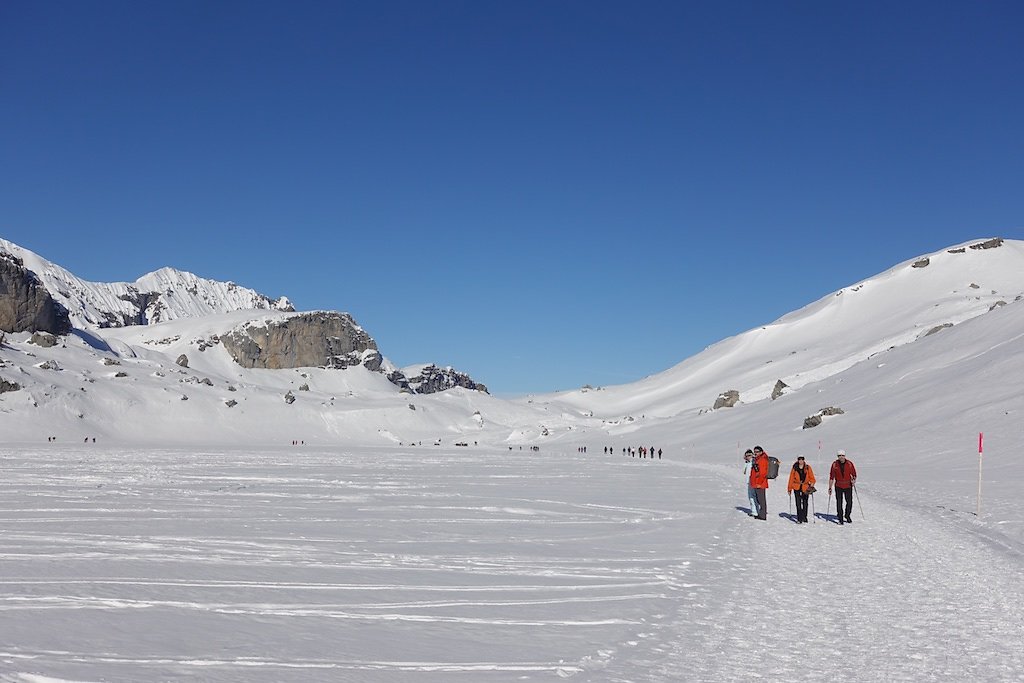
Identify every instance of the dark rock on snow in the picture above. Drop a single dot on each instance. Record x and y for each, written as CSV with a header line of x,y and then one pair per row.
x,y
25,304
727,399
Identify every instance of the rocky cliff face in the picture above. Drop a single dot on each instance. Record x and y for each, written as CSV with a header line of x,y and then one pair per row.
x,y
320,339
25,304
431,379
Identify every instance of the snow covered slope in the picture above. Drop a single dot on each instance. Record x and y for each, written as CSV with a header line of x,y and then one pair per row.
x,y
900,306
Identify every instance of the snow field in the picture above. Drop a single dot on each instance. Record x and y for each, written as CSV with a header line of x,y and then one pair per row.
x,y
421,564
362,565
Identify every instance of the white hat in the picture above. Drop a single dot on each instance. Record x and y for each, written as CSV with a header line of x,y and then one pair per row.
x,y
841,452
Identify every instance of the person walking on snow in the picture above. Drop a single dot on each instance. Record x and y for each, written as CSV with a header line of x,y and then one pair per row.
x,y
759,482
844,474
748,465
801,483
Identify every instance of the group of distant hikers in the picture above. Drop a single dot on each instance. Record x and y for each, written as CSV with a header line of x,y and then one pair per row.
x,y
759,467
639,451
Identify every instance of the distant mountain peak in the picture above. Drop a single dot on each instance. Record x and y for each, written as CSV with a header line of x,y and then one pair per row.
x,y
163,295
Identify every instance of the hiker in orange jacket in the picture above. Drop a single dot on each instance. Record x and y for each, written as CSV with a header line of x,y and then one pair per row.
x,y
759,481
801,484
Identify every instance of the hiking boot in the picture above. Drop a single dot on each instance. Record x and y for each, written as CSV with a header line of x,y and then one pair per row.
x,y
840,520
849,521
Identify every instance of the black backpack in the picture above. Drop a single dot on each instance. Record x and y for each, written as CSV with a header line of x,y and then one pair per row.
x,y
773,467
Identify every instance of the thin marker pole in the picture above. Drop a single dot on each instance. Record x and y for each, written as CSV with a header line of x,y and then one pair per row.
x,y
981,448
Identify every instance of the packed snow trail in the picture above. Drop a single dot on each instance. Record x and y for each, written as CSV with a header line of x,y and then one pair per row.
x,y
899,595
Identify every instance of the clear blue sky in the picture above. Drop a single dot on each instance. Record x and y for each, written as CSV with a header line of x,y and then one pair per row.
x,y
542,194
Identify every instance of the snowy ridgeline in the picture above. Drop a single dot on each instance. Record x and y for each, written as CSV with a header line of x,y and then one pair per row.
x,y
303,564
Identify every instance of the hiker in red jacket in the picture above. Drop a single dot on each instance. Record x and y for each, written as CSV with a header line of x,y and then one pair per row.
x,y
759,481
844,474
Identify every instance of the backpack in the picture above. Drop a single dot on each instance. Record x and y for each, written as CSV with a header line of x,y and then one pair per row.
x,y
773,467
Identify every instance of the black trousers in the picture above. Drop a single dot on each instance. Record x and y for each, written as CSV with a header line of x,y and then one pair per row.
x,y
801,505
840,494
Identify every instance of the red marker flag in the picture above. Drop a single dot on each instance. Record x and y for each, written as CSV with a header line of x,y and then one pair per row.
x,y
981,442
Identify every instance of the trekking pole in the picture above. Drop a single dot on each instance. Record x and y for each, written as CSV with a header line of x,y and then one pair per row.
x,y
829,505
858,501
814,513
790,503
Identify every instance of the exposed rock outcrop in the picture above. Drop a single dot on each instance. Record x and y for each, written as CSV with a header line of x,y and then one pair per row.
x,y
432,379
6,386
921,263
816,419
320,339
780,388
812,421
727,399
401,381
44,339
989,244
25,304
937,328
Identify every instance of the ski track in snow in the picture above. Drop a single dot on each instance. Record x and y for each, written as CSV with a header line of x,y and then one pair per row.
x,y
497,566
895,596
171,565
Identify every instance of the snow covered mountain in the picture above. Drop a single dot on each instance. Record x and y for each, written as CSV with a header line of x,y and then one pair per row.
x,y
200,379
165,294
37,295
